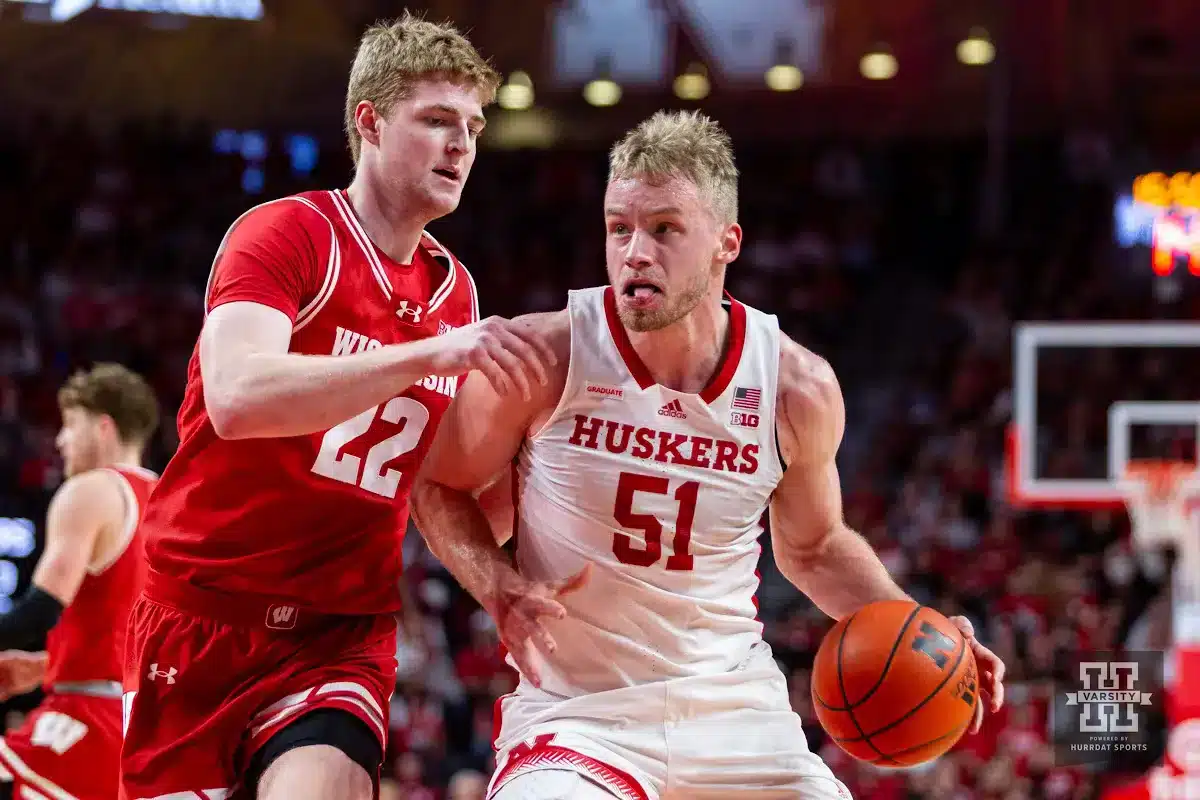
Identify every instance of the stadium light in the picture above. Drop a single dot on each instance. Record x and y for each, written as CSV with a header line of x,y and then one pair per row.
x,y
879,64
517,94
602,91
784,76
977,49
692,84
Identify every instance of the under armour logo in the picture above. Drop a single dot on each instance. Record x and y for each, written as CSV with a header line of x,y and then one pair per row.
x,y
281,618
409,312
155,673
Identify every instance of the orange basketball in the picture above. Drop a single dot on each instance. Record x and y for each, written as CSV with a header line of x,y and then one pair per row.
x,y
895,684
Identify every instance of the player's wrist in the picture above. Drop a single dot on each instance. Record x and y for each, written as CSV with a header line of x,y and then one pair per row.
x,y
418,358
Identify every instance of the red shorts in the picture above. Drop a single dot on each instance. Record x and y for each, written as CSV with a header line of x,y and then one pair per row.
x,y
205,690
67,748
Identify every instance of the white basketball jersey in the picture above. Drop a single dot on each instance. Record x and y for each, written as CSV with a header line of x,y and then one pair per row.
x,y
664,494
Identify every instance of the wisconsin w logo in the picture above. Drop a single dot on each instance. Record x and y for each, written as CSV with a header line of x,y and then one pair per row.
x,y
282,618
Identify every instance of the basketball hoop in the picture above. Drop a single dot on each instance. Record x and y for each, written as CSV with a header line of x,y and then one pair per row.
x,y
1156,494
1161,498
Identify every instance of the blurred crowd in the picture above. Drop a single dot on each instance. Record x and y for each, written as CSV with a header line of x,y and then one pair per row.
x,y
903,264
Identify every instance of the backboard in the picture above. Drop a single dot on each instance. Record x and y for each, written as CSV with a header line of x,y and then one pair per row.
x,y
1090,397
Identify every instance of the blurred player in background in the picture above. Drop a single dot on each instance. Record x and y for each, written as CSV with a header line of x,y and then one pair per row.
x,y
83,587
675,419
263,650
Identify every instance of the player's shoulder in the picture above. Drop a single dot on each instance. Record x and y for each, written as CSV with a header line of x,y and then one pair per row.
x,y
93,490
294,213
809,393
553,327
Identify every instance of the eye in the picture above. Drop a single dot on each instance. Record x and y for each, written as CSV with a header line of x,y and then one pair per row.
x,y
618,229
664,227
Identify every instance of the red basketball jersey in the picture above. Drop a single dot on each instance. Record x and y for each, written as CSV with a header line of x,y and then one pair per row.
x,y
88,643
313,520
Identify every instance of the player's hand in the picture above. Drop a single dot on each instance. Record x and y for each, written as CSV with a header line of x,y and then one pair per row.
x,y
20,672
991,672
511,354
519,608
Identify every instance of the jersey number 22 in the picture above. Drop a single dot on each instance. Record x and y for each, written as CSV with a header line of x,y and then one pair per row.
x,y
629,484
333,463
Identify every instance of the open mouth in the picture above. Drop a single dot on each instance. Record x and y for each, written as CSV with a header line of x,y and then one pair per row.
x,y
641,289
447,172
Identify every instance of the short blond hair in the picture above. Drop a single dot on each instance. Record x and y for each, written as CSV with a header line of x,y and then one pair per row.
x,y
684,144
392,56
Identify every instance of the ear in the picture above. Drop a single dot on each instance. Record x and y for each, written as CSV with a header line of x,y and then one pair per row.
x,y
731,244
366,120
108,425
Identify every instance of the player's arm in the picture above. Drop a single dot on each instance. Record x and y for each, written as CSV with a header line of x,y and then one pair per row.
x,y
83,509
272,263
478,438
814,548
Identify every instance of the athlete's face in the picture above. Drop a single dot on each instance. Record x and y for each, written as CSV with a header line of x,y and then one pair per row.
x,y
425,146
664,249
81,440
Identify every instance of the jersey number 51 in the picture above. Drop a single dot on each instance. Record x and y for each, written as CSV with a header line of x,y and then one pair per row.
x,y
628,486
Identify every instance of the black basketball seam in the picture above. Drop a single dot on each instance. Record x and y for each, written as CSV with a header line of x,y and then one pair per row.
x,y
845,699
883,673
957,732
867,736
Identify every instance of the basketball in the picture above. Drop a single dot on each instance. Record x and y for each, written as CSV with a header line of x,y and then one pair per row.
x,y
895,684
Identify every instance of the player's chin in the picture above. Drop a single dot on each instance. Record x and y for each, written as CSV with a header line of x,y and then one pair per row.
x,y
444,199
643,317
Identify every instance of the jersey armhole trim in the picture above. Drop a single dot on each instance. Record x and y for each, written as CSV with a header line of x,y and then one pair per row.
x,y
132,514
568,391
777,335
333,268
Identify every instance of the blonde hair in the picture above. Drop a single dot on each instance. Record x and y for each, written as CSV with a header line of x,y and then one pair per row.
x,y
684,144
392,56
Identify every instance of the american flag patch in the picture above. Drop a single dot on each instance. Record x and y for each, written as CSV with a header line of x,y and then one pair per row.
x,y
748,399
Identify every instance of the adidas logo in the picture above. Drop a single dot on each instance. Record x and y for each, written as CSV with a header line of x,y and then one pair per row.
x,y
672,409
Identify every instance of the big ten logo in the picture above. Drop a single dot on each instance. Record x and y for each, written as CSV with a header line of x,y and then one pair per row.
x,y
742,419
18,539
1181,190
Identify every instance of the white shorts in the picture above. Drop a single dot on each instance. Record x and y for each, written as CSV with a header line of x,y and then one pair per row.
x,y
706,738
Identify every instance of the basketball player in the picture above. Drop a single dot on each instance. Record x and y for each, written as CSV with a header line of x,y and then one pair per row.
x,y
676,418
263,648
84,584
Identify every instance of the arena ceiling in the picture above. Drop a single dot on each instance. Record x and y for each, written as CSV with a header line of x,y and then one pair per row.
x,y
1133,61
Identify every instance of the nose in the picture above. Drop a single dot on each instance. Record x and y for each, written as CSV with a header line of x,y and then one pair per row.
x,y
459,142
638,251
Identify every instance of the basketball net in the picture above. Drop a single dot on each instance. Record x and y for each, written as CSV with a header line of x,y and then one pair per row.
x,y
1163,498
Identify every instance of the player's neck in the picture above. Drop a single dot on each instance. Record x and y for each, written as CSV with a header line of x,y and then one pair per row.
x,y
686,355
393,230
125,457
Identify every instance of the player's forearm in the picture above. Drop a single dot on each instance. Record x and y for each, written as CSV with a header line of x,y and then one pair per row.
x,y
458,533
841,575
287,394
